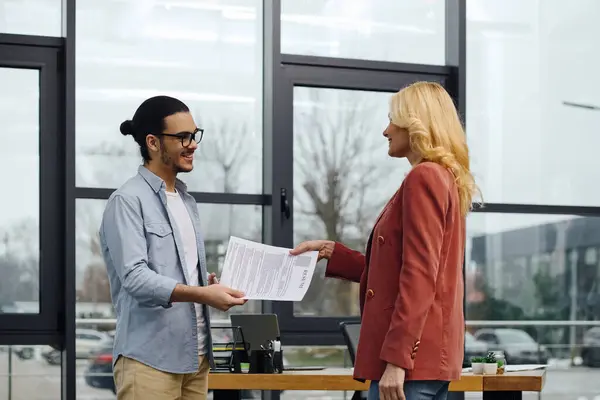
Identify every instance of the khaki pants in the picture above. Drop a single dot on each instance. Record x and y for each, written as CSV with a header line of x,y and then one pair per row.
x,y
137,381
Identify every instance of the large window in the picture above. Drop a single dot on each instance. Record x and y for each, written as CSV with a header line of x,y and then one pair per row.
x,y
334,157
292,150
383,30
32,209
532,258
207,54
532,100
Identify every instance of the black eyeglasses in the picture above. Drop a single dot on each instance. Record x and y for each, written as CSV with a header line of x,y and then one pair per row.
x,y
186,137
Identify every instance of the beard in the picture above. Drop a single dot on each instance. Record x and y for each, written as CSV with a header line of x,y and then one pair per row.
x,y
169,162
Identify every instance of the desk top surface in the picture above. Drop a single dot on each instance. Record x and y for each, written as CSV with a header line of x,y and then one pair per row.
x,y
341,379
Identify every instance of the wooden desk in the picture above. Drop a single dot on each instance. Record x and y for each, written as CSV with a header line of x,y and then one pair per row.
x,y
327,379
508,386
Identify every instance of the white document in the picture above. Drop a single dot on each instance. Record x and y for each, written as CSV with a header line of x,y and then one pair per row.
x,y
266,272
524,367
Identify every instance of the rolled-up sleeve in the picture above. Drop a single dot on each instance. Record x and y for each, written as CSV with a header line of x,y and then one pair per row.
x,y
122,231
424,205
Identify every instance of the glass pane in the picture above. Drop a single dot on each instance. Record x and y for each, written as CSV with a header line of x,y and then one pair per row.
x,y
20,214
343,177
542,267
207,54
31,17
529,268
383,30
527,62
25,374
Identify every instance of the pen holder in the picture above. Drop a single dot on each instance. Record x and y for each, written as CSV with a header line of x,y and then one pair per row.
x,y
261,362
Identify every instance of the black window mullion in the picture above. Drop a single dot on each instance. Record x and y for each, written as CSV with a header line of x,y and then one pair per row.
x,y
200,197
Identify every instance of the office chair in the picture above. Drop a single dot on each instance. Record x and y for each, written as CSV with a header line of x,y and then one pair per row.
x,y
351,332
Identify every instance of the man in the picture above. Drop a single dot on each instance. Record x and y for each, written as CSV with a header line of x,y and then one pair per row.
x,y
154,253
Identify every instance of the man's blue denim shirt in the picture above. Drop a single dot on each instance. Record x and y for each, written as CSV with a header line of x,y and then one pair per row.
x,y
144,258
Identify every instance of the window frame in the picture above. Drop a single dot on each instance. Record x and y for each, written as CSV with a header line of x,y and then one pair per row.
x,y
24,52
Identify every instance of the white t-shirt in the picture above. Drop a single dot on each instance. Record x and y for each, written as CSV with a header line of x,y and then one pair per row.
x,y
185,226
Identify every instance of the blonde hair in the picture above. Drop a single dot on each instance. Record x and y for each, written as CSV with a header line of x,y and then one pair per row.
x,y
435,133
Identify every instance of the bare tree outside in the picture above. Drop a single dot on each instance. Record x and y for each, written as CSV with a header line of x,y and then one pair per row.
x,y
93,286
226,151
342,179
19,262
117,158
227,148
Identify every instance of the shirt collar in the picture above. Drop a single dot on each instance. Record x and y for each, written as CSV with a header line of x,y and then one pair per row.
x,y
157,183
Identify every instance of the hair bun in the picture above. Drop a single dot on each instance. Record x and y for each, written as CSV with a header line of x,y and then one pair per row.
x,y
126,127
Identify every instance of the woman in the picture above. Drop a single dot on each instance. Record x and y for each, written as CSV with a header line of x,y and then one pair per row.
x,y
411,281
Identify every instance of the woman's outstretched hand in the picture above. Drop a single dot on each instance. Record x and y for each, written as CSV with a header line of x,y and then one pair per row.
x,y
324,247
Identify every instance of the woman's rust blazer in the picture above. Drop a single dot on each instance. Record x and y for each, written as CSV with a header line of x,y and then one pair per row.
x,y
411,281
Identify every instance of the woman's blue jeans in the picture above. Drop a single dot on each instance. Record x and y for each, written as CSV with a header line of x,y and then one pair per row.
x,y
416,390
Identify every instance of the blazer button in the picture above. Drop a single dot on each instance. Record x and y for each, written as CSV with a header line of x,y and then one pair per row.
x,y
370,293
380,240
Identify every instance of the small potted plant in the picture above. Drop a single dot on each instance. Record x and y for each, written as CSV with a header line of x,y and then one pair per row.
x,y
500,367
490,366
477,365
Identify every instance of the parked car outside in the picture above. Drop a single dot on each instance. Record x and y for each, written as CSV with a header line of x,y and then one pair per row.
x,y
99,373
590,351
24,352
517,345
87,342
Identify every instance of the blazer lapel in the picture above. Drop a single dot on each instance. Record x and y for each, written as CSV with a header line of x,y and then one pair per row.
x,y
370,240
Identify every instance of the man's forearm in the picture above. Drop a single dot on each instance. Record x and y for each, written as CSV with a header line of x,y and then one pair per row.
x,y
187,294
